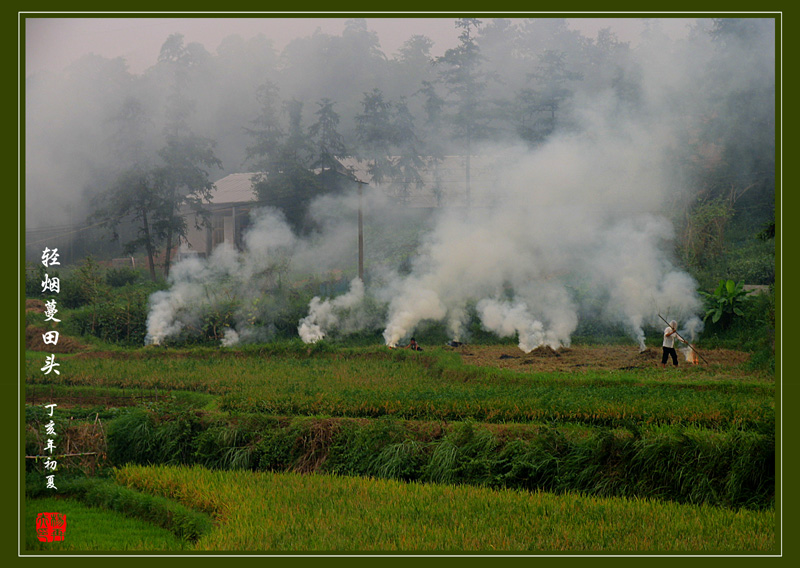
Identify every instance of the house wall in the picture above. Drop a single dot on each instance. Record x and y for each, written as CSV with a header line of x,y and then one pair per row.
x,y
198,240
229,227
222,228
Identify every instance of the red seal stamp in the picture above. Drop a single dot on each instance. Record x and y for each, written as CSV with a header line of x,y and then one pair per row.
x,y
51,527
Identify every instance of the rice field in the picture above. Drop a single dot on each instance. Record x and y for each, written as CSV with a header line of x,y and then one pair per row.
x,y
436,385
281,512
97,529
299,448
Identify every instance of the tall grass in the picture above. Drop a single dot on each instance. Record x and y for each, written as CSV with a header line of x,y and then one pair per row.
x,y
690,465
291,512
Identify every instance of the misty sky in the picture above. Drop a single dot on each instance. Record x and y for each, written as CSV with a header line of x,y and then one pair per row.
x,y
53,43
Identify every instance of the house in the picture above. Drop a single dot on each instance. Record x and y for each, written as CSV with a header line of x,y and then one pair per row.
x,y
442,184
229,209
230,205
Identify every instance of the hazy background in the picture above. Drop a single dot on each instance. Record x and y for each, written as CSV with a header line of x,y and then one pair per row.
x,y
80,70
53,43
621,157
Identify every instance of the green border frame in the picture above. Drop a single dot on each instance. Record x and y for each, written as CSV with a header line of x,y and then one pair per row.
x,y
786,391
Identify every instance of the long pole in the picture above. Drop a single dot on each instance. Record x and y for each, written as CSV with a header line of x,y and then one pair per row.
x,y
686,342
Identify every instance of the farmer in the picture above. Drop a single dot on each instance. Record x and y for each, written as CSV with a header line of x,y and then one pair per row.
x,y
413,345
670,333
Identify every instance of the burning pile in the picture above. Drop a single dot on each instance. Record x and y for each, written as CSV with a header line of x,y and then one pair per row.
x,y
691,355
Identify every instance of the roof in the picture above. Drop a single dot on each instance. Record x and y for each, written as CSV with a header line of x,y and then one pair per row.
x,y
233,188
447,175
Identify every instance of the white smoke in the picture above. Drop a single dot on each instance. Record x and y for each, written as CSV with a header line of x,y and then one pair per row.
x,y
569,229
330,313
582,209
230,337
410,307
508,319
575,228
229,284
170,310
631,263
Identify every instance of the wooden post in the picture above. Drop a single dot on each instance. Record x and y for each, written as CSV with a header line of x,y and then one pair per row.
x,y
467,179
233,225
360,231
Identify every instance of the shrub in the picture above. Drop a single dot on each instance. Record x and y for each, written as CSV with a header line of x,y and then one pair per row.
x,y
118,277
726,302
132,438
121,321
34,275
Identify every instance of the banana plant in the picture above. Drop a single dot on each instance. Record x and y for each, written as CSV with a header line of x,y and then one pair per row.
x,y
725,302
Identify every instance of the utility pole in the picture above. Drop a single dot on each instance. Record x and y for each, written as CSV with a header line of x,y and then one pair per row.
x,y
360,231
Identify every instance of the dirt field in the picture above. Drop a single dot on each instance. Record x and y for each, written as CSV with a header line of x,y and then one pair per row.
x,y
543,359
620,357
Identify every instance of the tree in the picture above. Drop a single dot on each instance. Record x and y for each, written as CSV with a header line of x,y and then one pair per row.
x,y
328,143
499,41
186,184
284,179
337,67
745,172
412,65
432,136
603,59
298,148
375,133
184,178
540,105
266,132
460,73
328,147
729,154
135,194
703,236
408,161
416,52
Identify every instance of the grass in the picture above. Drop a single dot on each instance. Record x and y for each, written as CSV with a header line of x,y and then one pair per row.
x,y
688,465
422,452
282,512
431,386
97,529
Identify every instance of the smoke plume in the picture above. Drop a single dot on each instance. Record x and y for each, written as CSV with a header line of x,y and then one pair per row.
x,y
573,229
331,313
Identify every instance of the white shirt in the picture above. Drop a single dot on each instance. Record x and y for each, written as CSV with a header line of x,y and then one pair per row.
x,y
669,340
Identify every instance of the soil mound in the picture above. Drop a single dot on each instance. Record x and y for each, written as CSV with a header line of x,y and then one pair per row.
x,y
35,342
649,354
544,351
